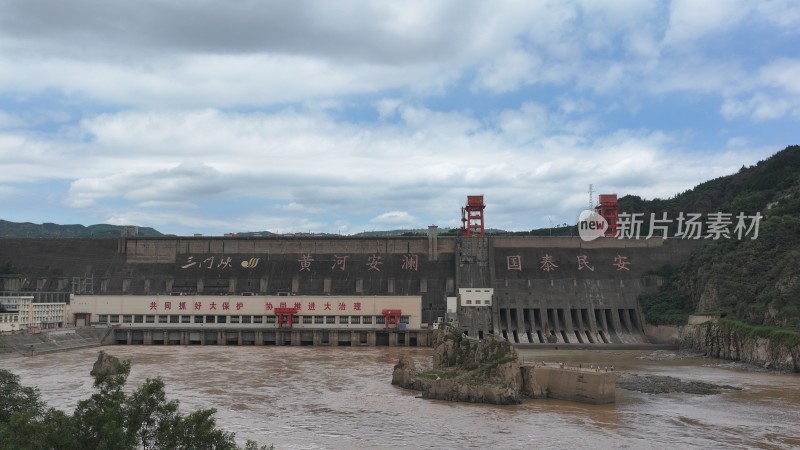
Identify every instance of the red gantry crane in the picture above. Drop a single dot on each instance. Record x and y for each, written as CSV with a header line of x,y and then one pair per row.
x,y
472,216
608,209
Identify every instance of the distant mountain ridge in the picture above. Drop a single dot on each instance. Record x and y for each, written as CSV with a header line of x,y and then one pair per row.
x,y
52,230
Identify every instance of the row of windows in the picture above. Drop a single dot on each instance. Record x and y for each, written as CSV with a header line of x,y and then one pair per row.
x,y
478,302
141,318
8,318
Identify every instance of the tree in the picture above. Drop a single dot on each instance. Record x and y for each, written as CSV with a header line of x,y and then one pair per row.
x,y
15,398
108,419
101,421
198,431
24,421
151,418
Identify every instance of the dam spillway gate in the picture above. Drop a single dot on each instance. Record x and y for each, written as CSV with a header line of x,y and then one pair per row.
x,y
571,326
288,337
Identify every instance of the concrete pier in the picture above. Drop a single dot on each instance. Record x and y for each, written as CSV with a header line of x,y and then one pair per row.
x,y
584,385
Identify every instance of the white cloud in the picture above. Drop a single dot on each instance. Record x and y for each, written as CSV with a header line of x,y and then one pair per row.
x,y
773,93
507,71
528,122
387,107
267,120
8,191
266,54
783,13
783,74
691,20
738,141
10,120
395,219
284,164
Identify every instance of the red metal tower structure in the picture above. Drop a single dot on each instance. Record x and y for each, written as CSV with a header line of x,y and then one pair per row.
x,y
392,317
607,208
285,316
472,216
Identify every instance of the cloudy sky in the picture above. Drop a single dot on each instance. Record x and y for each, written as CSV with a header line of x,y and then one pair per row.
x,y
201,116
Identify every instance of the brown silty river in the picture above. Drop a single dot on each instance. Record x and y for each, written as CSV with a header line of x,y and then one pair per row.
x,y
341,398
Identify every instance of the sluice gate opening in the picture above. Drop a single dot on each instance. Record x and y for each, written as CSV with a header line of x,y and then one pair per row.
x,y
286,337
571,325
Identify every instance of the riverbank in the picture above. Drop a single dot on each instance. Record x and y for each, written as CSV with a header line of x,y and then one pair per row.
x,y
740,342
51,341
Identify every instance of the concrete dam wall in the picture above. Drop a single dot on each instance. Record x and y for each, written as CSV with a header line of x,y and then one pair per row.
x,y
561,290
565,290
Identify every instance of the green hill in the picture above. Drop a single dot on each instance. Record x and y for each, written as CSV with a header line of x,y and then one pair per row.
x,y
52,230
749,282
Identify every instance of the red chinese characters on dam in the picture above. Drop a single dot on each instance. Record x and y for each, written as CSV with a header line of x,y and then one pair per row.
x,y
409,262
548,264
309,306
306,305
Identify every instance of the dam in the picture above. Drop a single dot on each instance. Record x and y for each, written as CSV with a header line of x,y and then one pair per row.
x,y
529,290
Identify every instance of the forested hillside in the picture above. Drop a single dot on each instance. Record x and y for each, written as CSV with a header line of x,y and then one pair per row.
x,y
750,282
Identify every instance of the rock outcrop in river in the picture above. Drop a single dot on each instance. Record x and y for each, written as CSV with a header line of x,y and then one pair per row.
x,y
465,370
105,365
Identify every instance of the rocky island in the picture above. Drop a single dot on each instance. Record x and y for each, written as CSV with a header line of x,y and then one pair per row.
x,y
488,371
465,370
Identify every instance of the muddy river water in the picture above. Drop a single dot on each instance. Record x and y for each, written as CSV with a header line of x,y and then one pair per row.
x,y
321,397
